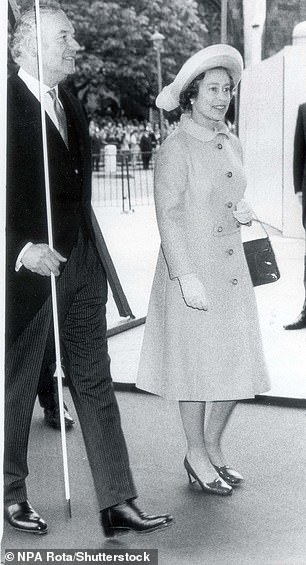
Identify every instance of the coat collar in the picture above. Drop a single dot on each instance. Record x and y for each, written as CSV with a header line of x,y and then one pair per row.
x,y
200,132
33,84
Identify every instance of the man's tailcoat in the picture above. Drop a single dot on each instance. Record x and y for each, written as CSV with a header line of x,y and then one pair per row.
x,y
299,157
82,294
70,182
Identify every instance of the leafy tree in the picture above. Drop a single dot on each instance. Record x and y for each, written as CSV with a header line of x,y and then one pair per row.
x,y
281,18
118,61
210,10
117,66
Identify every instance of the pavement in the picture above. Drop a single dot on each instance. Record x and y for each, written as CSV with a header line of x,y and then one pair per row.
x,y
133,242
262,523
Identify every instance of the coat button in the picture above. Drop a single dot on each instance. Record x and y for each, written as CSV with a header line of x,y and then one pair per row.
x,y
229,174
220,145
230,251
220,228
234,282
229,205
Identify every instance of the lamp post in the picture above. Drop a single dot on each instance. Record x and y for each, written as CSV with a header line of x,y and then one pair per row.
x,y
157,39
224,10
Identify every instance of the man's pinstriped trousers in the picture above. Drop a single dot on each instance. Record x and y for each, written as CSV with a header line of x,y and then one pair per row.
x,y
82,294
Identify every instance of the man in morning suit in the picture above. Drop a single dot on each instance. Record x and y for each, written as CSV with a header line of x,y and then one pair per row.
x,y
81,281
299,178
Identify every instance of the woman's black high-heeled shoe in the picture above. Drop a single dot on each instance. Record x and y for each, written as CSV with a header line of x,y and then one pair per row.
x,y
229,475
218,486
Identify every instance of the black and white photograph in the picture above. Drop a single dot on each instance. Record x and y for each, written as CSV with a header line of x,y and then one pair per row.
x,y
153,289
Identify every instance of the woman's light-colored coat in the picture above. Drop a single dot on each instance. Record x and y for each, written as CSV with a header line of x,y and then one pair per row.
x,y
191,354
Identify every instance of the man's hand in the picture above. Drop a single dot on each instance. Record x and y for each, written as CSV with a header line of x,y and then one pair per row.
x,y
40,259
193,292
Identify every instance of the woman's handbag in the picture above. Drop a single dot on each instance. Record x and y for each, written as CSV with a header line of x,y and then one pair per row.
x,y
261,260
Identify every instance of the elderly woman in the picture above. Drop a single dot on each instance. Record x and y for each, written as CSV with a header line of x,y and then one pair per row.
x,y
202,340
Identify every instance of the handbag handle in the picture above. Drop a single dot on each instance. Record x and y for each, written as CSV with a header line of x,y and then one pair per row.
x,y
256,219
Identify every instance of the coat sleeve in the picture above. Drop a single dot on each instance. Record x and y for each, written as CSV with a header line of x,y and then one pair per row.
x,y
299,152
170,189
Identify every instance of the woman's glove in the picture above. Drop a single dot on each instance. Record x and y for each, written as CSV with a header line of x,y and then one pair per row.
x,y
243,213
193,292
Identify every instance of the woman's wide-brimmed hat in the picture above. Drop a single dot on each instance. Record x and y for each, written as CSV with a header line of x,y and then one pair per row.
x,y
219,55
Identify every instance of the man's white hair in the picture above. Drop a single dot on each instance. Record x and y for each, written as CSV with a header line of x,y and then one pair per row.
x,y
26,25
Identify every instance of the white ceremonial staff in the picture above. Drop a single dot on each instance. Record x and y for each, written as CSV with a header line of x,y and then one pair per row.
x,y
59,374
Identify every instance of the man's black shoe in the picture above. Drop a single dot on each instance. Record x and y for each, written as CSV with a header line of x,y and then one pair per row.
x,y
299,323
24,518
52,418
123,518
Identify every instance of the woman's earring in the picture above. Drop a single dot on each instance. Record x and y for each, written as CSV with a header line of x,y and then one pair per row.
x,y
191,102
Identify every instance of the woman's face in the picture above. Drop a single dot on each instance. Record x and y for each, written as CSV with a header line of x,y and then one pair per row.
x,y
213,98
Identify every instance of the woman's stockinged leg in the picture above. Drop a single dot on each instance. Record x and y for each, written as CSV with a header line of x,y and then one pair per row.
x,y
193,415
217,416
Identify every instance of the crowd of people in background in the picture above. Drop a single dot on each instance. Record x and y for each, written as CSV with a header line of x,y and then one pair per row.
x,y
134,140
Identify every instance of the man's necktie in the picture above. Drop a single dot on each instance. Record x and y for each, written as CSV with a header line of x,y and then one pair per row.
x,y
60,115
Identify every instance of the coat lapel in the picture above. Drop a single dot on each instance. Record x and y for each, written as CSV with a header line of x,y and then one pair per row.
x,y
32,108
77,121
77,125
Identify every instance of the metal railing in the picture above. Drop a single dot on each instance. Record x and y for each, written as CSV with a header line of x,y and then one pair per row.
x,y
122,178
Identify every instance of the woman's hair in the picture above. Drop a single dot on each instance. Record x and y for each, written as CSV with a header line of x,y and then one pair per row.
x,y
192,90
26,25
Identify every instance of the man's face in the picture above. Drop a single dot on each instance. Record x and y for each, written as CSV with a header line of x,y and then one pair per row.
x,y
59,47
